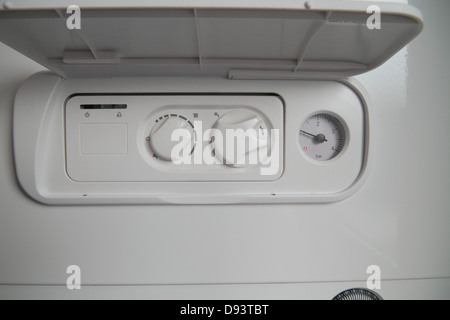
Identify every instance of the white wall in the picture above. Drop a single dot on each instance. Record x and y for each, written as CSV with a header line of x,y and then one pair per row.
x,y
399,220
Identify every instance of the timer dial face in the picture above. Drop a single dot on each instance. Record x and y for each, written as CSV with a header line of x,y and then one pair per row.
x,y
242,120
160,137
322,137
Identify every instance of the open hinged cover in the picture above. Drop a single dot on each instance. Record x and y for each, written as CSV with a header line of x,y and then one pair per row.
x,y
239,39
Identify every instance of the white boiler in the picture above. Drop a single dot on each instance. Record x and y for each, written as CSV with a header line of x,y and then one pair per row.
x,y
225,150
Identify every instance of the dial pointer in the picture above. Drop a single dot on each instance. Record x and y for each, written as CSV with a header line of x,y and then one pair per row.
x,y
319,138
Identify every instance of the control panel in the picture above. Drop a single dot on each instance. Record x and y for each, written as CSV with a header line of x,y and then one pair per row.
x,y
179,141
174,138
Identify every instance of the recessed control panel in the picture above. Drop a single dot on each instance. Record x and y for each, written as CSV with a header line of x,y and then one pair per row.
x,y
174,137
185,141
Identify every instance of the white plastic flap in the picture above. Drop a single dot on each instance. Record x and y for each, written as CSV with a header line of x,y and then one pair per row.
x,y
327,39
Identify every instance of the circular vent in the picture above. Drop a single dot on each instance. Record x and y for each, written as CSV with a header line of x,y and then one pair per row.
x,y
358,294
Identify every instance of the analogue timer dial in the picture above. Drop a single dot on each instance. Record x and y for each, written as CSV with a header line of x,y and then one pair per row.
x,y
160,137
244,120
322,137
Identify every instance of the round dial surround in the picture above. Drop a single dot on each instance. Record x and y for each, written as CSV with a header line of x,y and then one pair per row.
x,y
322,137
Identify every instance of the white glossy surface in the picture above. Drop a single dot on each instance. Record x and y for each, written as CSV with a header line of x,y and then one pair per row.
x,y
433,289
163,3
319,39
399,220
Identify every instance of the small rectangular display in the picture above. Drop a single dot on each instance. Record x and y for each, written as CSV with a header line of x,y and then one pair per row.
x,y
103,139
103,106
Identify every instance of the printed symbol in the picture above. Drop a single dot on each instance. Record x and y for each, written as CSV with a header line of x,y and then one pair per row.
x,y
195,115
261,130
155,156
216,114
148,138
87,115
305,148
119,115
